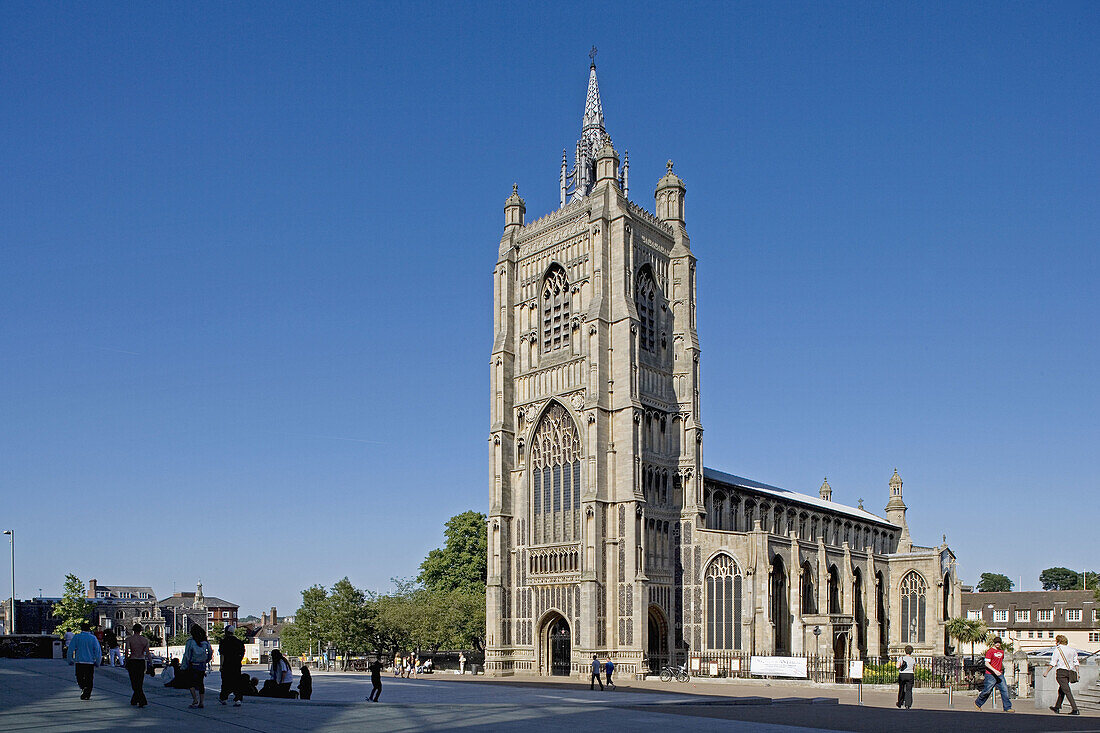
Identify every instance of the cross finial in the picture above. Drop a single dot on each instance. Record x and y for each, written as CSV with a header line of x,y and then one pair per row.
x,y
515,189
860,504
669,164
592,55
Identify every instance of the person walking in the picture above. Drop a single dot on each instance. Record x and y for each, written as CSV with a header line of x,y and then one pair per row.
x,y
595,673
462,662
110,640
231,650
907,671
196,655
1065,664
87,654
281,674
397,665
609,669
375,679
305,684
995,676
137,659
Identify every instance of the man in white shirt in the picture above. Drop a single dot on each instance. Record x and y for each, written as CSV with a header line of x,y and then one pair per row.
x,y
1065,665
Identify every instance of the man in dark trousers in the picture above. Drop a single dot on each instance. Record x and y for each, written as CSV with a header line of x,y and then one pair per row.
x,y
609,669
87,654
231,650
375,679
595,672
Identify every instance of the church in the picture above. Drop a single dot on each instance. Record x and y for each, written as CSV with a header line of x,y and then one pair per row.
x,y
606,533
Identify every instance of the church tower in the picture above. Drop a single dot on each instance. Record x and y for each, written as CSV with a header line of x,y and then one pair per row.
x,y
595,439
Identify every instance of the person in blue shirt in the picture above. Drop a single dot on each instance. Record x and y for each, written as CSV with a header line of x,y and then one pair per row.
x,y
86,652
609,668
595,673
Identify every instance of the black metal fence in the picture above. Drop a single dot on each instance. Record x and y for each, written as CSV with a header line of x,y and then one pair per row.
x,y
931,672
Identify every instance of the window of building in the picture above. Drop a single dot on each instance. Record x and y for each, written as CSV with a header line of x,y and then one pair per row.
x,y
1050,634
1073,614
1094,636
225,614
974,614
1000,616
913,591
556,478
723,588
1046,614
1031,634
645,297
1022,616
555,311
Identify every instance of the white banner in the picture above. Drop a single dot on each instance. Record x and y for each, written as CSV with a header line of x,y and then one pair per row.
x,y
855,669
778,666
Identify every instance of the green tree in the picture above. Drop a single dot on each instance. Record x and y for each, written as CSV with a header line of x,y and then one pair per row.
x,y
992,582
217,631
179,639
74,607
1060,579
307,631
151,635
461,564
345,623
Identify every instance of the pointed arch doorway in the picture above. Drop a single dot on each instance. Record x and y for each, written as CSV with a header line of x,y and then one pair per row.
x,y
557,644
657,642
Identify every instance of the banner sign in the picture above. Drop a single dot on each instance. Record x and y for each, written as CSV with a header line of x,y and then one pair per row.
x,y
778,666
855,669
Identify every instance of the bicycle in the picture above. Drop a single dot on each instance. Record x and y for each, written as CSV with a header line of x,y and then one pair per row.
x,y
668,672
17,649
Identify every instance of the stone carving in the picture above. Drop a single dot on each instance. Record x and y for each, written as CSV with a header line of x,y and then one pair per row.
x,y
577,400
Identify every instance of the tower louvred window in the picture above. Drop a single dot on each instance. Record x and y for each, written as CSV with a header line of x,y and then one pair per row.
x,y
556,459
646,301
555,311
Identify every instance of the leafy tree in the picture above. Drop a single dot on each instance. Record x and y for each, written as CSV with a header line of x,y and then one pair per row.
x,y
461,564
345,622
151,635
179,639
74,607
308,629
217,631
1060,579
992,582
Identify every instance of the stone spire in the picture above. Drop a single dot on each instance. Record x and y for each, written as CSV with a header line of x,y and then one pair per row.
x,y
199,600
895,512
826,491
579,181
514,208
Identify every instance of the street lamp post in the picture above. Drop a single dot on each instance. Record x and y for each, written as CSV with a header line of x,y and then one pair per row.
x,y
11,534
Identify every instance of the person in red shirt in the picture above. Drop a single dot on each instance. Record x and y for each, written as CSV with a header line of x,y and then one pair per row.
x,y
995,676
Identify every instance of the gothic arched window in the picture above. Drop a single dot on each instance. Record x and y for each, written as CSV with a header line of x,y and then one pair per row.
x,y
555,477
723,588
645,297
555,310
913,591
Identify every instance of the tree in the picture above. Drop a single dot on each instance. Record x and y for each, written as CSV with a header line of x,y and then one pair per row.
x,y
967,631
461,564
345,623
179,639
1060,579
307,630
74,607
992,582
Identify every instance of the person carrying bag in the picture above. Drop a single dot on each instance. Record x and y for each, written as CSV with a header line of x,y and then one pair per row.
x,y
1065,671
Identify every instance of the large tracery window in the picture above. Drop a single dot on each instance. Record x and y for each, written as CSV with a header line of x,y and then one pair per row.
x,y
645,297
555,310
913,591
556,478
723,587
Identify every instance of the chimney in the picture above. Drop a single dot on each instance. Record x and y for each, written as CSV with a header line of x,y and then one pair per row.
x,y
274,618
263,619
91,588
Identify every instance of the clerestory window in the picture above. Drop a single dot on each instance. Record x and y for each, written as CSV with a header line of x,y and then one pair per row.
x,y
555,310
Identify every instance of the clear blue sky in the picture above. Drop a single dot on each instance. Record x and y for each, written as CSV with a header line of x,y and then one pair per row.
x,y
245,256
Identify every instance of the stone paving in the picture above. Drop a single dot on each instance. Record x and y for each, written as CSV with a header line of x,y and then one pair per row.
x,y
41,695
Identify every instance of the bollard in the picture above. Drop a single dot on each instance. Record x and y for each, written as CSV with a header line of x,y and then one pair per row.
x,y
949,689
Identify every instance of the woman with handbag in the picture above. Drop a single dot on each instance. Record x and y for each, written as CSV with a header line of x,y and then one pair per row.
x,y
907,670
196,655
1065,665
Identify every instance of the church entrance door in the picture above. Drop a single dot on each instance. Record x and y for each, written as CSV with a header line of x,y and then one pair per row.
x,y
657,644
561,648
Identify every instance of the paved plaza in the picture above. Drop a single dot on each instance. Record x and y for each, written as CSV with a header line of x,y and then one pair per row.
x,y
41,695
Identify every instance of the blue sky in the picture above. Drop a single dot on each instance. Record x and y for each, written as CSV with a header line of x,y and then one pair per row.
x,y
245,255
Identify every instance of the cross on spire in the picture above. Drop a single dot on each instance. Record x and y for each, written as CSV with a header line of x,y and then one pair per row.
x,y
592,55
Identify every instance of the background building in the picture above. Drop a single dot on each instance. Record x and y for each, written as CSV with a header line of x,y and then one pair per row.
x,y
183,609
606,533
1031,619
120,606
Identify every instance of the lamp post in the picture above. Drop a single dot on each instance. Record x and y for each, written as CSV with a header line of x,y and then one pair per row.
x,y
11,534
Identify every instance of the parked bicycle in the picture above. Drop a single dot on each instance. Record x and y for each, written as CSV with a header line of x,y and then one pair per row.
x,y
13,649
668,672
